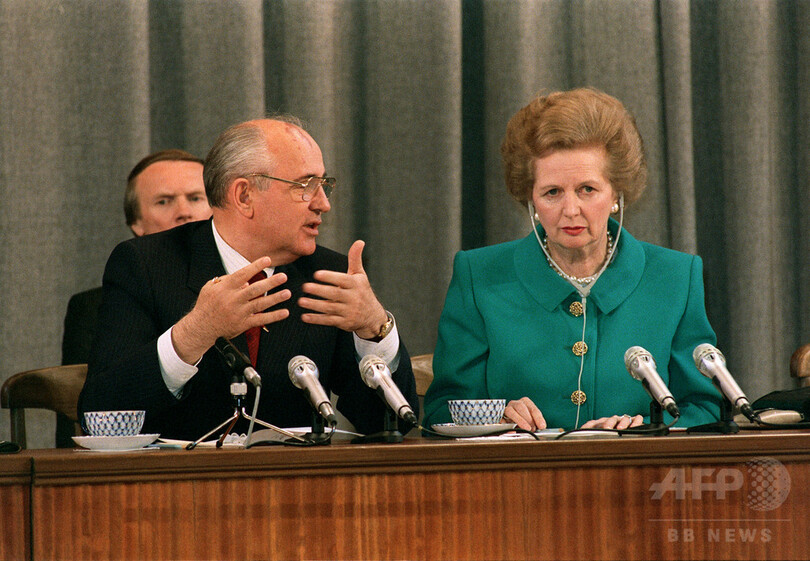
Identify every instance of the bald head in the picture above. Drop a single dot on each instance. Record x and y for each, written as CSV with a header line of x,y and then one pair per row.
x,y
252,147
284,136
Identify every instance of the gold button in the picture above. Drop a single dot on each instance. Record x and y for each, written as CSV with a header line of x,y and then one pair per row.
x,y
575,308
578,397
580,348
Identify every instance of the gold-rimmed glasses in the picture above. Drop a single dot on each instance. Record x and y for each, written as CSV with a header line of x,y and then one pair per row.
x,y
308,187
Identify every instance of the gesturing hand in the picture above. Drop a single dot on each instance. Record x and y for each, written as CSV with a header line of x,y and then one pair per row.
x,y
345,300
228,306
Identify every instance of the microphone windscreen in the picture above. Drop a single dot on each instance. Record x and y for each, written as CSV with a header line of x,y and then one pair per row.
x,y
632,354
702,351
367,371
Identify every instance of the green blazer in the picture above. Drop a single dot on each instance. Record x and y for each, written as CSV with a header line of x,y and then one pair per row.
x,y
506,332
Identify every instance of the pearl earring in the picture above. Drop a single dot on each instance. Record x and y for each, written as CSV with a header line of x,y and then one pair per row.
x,y
537,217
615,208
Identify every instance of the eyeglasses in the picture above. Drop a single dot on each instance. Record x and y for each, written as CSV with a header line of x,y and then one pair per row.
x,y
308,187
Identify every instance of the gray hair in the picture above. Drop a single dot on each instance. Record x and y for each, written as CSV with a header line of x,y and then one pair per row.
x,y
240,150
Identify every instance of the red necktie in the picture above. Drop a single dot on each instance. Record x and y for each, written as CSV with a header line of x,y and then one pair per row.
x,y
253,333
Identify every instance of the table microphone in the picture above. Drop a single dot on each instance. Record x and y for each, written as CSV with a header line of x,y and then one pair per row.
x,y
641,366
375,374
712,364
304,376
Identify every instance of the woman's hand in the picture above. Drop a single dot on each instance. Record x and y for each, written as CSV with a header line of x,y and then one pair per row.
x,y
619,422
525,414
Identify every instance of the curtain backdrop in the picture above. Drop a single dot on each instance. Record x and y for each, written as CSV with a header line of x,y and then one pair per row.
x,y
409,100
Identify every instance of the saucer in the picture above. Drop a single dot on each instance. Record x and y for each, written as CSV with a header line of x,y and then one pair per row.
x,y
115,443
452,429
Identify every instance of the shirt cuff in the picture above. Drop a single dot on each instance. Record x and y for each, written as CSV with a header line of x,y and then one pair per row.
x,y
173,369
387,349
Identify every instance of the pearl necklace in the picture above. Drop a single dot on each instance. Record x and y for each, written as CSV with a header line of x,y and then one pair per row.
x,y
582,281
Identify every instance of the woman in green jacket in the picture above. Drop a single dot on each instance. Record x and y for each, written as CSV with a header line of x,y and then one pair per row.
x,y
544,322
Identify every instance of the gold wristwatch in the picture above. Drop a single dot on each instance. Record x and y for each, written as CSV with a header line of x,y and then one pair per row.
x,y
385,328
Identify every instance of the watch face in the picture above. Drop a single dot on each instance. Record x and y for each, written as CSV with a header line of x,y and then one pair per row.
x,y
387,326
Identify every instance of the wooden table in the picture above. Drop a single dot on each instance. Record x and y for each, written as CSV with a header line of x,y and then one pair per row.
x,y
424,499
15,501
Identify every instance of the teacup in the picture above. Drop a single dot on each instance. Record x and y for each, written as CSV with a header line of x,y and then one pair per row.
x,y
476,411
114,423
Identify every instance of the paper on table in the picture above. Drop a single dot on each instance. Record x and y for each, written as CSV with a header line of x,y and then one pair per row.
x,y
231,441
269,435
545,434
238,440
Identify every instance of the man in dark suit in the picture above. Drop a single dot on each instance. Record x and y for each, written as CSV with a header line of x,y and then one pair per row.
x,y
168,297
164,189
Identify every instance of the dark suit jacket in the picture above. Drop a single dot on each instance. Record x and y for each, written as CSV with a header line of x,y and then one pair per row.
x,y
81,321
152,281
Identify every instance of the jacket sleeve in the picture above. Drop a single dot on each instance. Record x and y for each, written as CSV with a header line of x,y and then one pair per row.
x,y
698,400
124,372
462,349
81,320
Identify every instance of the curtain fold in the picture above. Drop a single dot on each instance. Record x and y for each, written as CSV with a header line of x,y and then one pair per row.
x,y
679,150
409,101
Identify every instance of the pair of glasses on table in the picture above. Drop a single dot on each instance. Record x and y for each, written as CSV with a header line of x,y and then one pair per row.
x,y
307,188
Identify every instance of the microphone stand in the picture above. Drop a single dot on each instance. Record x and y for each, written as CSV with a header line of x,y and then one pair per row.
x,y
238,393
656,426
725,425
318,436
389,435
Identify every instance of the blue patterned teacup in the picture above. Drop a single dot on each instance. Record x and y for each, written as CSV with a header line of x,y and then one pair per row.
x,y
113,423
476,411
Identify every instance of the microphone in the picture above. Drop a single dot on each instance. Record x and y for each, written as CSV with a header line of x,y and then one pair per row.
x,y
712,364
376,375
238,361
304,376
641,366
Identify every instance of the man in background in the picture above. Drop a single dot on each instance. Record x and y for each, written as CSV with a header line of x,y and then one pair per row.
x,y
164,189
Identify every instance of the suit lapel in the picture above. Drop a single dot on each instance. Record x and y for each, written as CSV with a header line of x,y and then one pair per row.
x,y
537,277
614,286
204,262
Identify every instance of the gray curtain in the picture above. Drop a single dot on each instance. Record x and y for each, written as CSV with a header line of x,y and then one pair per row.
x,y
409,100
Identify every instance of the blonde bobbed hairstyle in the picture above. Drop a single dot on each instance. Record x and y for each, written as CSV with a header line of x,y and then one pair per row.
x,y
574,119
